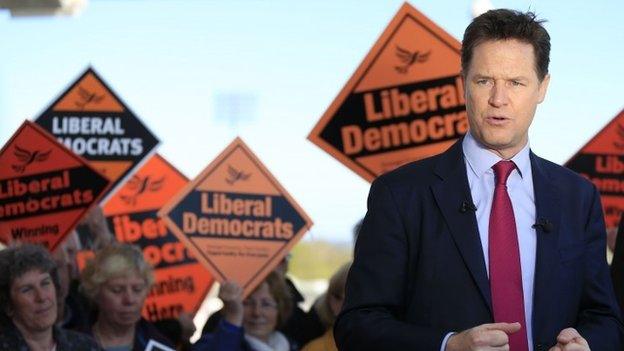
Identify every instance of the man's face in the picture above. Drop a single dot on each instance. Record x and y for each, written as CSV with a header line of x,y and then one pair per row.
x,y
502,93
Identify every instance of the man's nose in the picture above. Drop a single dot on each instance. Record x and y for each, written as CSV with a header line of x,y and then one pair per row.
x,y
498,95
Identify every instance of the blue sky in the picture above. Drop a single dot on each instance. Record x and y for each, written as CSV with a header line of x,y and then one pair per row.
x,y
174,63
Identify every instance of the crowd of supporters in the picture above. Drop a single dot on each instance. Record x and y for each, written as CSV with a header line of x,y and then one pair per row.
x,y
47,304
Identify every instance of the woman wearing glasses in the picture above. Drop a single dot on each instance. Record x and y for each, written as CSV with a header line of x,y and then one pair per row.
x,y
251,324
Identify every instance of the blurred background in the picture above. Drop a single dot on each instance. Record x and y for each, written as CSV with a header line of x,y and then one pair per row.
x,y
199,73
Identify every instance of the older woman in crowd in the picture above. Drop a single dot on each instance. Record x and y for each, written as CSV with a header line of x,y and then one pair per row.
x,y
251,324
117,281
327,306
29,286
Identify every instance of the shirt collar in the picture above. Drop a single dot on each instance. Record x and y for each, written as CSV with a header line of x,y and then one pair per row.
x,y
480,159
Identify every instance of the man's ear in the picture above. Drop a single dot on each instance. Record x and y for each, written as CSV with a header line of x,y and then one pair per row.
x,y
543,87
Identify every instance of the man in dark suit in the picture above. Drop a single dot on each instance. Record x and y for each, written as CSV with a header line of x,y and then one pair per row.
x,y
486,246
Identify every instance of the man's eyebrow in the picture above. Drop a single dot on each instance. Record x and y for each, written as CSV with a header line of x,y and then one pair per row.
x,y
483,76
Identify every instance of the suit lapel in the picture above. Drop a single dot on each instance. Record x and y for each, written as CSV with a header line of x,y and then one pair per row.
x,y
449,194
453,189
547,207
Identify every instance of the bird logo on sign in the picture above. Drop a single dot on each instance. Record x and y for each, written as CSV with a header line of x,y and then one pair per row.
x,y
409,58
87,97
28,157
235,175
620,144
140,186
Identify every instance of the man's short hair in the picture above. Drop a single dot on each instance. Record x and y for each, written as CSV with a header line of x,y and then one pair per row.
x,y
503,24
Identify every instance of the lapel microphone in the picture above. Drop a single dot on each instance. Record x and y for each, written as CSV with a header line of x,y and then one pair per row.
x,y
467,206
545,225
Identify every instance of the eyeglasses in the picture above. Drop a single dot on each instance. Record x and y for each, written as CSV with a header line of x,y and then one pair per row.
x,y
265,305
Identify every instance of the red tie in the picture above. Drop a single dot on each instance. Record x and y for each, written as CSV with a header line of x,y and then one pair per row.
x,y
505,273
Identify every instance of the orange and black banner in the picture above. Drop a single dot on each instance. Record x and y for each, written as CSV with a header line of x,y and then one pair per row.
x,y
404,102
236,217
90,119
601,160
45,189
181,283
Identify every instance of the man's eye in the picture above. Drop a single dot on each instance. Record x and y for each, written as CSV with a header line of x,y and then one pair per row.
x,y
515,83
482,81
25,289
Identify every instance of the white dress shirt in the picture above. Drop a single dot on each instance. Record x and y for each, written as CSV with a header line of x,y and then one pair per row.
x,y
479,162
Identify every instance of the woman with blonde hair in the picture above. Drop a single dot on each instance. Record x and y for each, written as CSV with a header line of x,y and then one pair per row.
x,y
327,307
117,282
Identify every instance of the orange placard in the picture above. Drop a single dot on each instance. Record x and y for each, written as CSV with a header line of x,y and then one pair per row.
x,y
236,217
90,119
601,160
405,101
181,283
45,189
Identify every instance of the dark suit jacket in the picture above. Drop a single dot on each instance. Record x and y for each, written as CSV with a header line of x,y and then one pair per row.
x,y
617,265
419,270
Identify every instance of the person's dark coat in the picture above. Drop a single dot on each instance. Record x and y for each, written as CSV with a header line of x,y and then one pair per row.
x,y
66,340
419,271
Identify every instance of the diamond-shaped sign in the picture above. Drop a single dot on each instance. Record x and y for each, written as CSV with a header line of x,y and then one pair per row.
x,y
404,102
90,119
237,218
601,160
181,283
45,189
